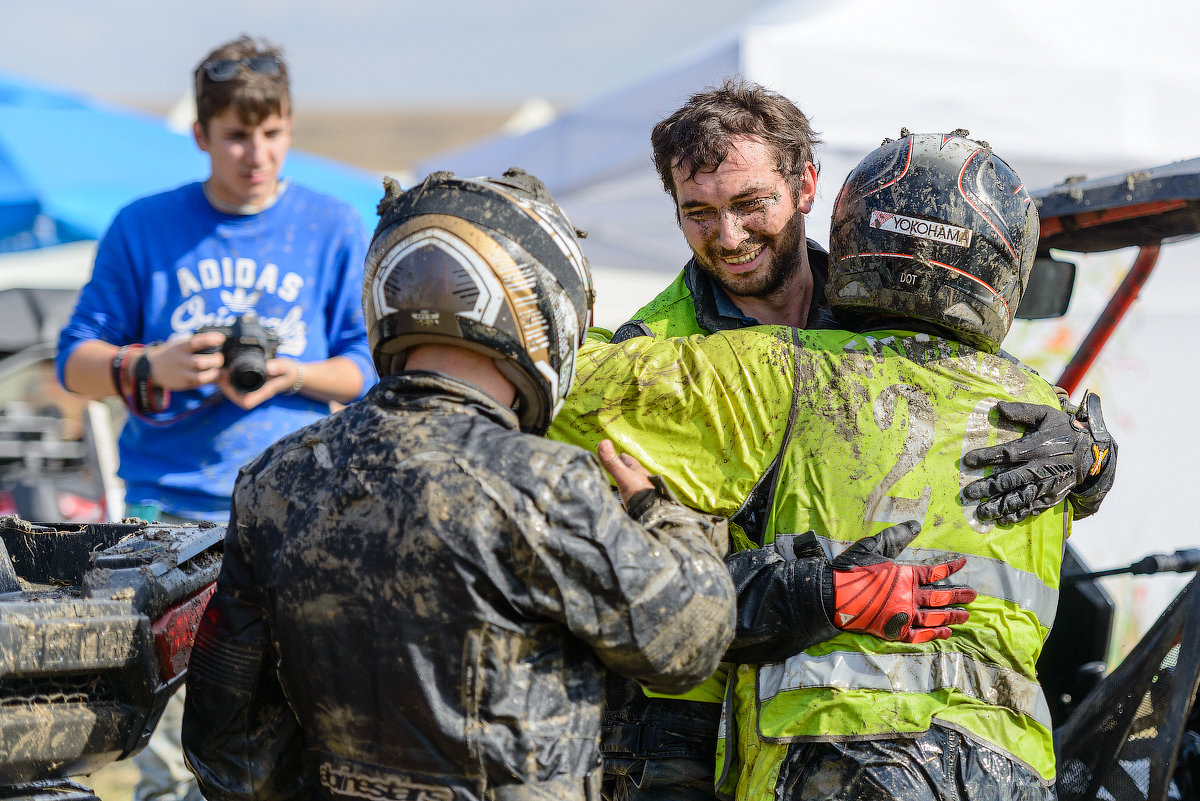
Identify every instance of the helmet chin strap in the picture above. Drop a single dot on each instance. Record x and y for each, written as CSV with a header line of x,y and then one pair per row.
x,y
397,363
526,395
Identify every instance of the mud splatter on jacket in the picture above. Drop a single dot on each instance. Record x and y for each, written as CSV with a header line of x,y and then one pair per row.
x,y
435,596
870,428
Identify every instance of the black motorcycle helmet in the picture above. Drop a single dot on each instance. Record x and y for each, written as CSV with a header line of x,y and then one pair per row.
x,y
934,227
489,264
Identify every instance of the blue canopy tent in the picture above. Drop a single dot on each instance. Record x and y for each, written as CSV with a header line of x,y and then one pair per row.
x,y
68,163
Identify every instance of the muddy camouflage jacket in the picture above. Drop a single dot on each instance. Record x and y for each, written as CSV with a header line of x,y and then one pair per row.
x,y
416,595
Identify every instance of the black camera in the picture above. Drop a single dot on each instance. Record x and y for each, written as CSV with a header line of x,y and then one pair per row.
x,y
248,345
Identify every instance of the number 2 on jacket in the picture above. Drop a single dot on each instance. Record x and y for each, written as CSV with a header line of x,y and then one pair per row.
x,y
882,508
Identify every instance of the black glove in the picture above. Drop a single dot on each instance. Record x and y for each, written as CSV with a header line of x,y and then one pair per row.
x,y
1060,455
872,594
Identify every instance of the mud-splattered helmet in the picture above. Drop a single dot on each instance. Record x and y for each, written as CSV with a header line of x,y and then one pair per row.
x,y
934,227
489,264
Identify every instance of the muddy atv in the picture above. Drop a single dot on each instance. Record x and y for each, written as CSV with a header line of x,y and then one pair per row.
x,y
96,626
1134,733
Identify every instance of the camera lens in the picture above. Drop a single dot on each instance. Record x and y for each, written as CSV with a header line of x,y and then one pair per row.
x,y
248,370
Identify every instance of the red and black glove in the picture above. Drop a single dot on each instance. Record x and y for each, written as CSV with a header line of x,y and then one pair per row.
x,y
872,594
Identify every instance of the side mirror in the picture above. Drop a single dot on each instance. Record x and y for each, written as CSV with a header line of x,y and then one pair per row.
x,y
1048,292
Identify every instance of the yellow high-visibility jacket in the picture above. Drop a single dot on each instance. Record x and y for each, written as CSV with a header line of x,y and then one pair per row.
x,y
870,430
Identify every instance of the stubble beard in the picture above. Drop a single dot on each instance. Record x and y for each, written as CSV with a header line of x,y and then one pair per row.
x,y
785,258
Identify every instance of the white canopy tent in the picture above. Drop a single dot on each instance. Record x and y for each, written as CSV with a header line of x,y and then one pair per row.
x,y
1058,88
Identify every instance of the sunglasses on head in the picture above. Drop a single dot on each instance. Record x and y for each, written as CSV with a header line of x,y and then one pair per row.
x,y
226,69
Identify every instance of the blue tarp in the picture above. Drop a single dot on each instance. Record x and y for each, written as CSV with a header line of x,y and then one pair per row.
x,y
69,162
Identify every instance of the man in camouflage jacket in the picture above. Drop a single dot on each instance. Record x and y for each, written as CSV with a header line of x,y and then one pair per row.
x,y
418,598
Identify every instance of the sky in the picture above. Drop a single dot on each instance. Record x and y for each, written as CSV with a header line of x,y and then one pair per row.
x,y
363,53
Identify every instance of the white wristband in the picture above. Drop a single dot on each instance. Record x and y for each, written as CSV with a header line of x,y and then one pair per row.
x,y
299,382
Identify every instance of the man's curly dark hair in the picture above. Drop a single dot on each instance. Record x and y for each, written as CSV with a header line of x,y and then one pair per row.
x,y
698,135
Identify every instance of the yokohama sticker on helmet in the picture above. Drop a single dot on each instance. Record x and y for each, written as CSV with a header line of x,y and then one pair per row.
x,y
922,229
